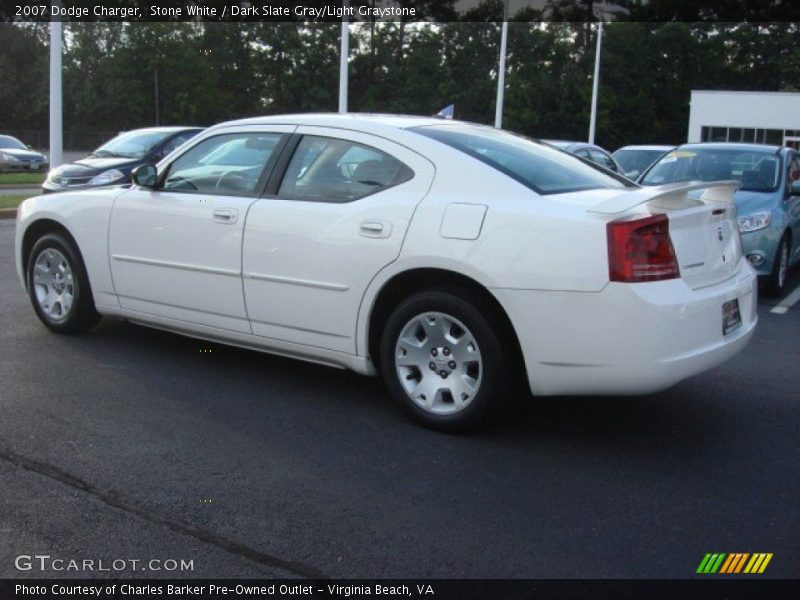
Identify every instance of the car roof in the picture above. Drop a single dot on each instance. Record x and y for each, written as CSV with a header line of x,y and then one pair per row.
x,y
168,129
343,120
732,146
646,147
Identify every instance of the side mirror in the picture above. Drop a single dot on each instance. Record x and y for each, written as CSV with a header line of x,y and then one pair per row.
x,y
632,175
145,176
794,188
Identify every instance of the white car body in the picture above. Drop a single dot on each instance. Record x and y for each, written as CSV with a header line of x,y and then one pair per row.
x,y
301,278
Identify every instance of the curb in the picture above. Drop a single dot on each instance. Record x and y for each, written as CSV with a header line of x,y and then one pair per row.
x,y
8,213
20,186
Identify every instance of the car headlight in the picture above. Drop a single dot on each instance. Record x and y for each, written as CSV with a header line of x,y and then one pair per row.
x,y
107,177
8,157
754,222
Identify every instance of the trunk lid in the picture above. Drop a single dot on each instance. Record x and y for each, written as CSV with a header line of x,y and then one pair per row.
x,y
703,229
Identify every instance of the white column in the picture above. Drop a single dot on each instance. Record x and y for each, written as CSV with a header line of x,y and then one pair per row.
x,y
56,128
501,75
344,53
595,82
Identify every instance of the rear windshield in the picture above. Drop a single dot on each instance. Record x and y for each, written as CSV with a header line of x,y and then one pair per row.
x,y
758,170
540,167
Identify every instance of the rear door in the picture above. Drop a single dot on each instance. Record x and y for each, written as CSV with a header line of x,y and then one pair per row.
x,y
337,216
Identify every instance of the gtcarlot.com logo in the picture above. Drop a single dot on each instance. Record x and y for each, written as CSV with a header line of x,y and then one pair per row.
x,y
45,562
737,562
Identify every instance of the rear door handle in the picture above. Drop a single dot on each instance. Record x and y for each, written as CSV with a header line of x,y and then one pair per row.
x,y
225,215
375,229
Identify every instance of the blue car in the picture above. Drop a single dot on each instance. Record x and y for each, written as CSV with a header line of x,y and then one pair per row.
x,y
767,203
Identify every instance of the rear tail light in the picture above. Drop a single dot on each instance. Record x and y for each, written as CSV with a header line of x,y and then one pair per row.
x,y
641,250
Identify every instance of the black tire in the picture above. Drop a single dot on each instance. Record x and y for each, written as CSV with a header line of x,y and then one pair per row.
x,y
499,362
81,315
776,283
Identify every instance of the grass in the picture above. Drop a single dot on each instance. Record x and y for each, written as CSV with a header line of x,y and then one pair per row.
x,y
12,179
14,201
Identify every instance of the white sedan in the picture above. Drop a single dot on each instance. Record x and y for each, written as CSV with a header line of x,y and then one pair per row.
x,y
460,262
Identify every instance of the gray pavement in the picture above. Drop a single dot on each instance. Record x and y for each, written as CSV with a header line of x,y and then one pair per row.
x,y
132,443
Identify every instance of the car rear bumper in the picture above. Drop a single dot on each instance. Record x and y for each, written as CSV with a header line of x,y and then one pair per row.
x,y
628,338
23,167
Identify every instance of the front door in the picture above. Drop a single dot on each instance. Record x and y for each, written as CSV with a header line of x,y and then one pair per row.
x,y
175,251
337,218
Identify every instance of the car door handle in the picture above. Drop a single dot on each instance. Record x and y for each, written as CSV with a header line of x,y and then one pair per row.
x,y
225,215
376,229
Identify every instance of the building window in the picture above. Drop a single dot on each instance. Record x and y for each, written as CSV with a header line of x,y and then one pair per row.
x,y
747,135
774,136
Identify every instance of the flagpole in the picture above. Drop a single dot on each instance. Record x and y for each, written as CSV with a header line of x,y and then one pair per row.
x,y
595,82
501,71
344,53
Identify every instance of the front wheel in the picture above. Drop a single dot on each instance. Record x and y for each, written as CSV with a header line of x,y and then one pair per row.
x,y
780,270
59,287
444,362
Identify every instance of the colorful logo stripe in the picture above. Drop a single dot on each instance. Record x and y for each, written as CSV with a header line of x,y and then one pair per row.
x,y
735,562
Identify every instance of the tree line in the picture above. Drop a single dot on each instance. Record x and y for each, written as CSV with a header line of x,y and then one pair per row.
x,y
209,72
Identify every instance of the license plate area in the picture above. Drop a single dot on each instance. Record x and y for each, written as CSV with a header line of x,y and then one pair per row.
x,y
731,317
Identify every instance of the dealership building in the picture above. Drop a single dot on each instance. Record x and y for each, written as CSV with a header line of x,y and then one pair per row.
x,y
761,117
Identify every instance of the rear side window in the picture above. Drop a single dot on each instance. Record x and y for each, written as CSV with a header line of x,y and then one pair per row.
x,y
540,167
331,169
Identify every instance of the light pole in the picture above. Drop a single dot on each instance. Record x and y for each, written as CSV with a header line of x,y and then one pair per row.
x,y
56,126
595,82
344,53
501,72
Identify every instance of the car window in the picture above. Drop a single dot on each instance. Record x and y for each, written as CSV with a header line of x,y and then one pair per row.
x,y
11,143
756,169
583,153
133,144
636,160
178,140
229,164
794,170
324,168
602,159
537,166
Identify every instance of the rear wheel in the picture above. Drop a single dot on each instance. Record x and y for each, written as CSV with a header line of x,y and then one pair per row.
x,y
444,362
59,287
780,269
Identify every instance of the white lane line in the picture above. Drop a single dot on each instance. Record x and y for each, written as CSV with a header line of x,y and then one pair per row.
x,y
784,305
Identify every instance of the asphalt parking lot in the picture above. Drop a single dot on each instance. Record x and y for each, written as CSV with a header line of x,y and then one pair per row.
x,y
136,444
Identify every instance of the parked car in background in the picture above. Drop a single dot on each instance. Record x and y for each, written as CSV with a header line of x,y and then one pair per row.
x,y
634,160
112,163
461,262
16,156
596,154
767,202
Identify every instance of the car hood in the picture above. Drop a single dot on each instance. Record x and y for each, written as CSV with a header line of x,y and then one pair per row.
x,y
752,202
94,166
20,153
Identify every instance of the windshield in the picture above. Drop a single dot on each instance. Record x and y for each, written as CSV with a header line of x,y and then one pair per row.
x,y
133,144
11,143
757,170
538,166
636,160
